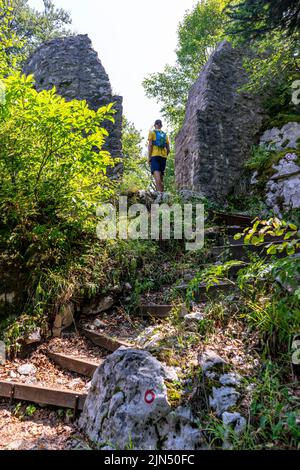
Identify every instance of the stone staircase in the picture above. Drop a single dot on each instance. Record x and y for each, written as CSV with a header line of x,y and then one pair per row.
x,y
223,242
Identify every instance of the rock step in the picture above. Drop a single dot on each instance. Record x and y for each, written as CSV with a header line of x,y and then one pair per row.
x,y
105,341
79,365
42,395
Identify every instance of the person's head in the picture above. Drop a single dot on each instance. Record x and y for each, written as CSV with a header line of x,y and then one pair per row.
x,y
158,124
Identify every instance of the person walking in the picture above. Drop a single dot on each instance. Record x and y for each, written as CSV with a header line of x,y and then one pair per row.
x,y
158,150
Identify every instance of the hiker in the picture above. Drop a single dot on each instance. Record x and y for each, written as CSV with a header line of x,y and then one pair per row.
x,y
159,149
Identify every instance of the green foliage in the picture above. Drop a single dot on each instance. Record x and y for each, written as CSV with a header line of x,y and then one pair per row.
x,y
136,169
253,18
274,411
30,410
274,69
273,416
9,41
52,177
22,412
211,276
273,227
32,27
271,289
272,34
283,118
47,160
269,31
259,158
268,290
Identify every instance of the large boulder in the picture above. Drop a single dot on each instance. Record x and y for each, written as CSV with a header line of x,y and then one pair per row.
x,y
221,125
73,67
127,407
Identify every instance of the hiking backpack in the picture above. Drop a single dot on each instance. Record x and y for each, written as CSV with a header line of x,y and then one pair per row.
x,y
161,139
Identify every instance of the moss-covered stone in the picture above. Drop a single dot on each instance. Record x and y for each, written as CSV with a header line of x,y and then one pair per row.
x,y
267,171
281,119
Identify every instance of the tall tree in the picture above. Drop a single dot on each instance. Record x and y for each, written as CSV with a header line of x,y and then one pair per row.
x,y
199,32
8,39
272,30
32,27
136,169
255,18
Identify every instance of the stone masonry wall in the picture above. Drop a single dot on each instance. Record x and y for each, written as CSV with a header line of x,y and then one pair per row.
x,y
73,67
220,127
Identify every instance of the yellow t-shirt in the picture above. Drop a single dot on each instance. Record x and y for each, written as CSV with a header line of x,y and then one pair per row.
x,y
158,151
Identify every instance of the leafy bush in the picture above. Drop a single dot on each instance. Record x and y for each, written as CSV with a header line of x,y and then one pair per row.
x,y
48,162
273,227
52,177
136,168
260,156
268,289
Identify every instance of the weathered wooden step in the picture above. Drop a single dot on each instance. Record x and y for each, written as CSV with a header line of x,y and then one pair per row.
x,y
160,311
104,341
221,231
268,239
241,251
223,218
75,364
42,395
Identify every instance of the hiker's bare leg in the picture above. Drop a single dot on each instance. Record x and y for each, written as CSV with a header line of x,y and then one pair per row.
x,y
158,181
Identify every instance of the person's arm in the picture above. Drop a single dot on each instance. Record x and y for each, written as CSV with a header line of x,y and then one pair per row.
x,y
168,146
150,147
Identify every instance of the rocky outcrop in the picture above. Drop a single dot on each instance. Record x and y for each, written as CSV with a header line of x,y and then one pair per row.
x,y
73,67
223,390
282,190
220,127
127,407
279,139
98,305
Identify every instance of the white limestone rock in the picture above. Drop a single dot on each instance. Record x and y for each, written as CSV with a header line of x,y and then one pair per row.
x,y
27,369
34,337
283,188
209,360
230,379
279,139
98,305
127,404
223,398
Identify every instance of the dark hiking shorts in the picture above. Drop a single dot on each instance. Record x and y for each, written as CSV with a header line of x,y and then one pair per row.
x,y
158,164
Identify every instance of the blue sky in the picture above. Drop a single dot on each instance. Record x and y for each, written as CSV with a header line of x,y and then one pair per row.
x,y
133,38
